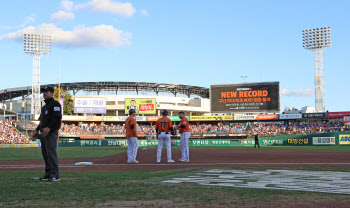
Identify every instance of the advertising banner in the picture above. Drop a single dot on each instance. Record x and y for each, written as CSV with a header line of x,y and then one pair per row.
x,y
267,117
323,140
90,105
344,139
290,116
314,115
270,122
176,118
211,118
271,142
153,118
81,118
141,106
298,141
244,117
245,97
347,120
338,114
123,118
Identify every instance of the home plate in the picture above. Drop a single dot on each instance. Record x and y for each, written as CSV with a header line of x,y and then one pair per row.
x,y
83,163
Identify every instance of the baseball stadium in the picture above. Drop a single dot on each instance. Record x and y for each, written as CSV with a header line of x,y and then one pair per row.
x,y
194,112
224,162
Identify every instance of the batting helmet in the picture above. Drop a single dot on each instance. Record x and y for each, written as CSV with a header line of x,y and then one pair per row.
x,y
165,112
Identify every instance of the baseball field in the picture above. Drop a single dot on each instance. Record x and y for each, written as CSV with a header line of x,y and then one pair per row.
x,y
276,176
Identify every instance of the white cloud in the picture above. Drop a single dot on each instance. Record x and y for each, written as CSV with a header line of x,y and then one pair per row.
x,y
144,12
301,92
61,16
98,36
27,20
108,6
67,5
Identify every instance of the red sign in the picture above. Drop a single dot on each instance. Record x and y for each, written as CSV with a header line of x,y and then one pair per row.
x,y
338,114
146,107
267,117
347,120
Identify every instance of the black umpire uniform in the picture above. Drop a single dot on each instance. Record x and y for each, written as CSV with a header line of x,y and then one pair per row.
x,y
50,117
256,137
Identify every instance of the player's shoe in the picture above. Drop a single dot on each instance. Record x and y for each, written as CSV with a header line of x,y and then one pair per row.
x,y
129,162
186,161
171,161
135,162
158,161
54,179
44,178
181,160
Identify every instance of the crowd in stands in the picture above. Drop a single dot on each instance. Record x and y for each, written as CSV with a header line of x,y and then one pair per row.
x,y
10,135
220,128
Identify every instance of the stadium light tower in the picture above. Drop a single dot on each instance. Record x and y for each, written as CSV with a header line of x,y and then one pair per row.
x,y
36,45
316,40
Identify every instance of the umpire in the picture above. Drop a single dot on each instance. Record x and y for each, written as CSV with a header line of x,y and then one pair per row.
x,y
50,123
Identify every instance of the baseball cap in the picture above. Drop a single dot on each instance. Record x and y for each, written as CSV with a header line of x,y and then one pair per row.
x,y
131,111
165,112
48,89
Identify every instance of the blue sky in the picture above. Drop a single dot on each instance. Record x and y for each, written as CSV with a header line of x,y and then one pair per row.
x,y
182,42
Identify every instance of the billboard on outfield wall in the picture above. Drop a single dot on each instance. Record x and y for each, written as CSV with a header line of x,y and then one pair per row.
x,y
298,141
141,105
245,97
90,105
323,140
344,139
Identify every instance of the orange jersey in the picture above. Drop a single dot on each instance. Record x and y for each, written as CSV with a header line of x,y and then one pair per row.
x,y
128,123
184,122
163,124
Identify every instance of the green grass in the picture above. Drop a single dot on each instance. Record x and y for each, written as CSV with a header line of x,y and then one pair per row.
x,y
139,188
89,152
63,153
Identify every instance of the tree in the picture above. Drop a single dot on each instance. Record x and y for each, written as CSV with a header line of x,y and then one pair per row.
x,y
67,100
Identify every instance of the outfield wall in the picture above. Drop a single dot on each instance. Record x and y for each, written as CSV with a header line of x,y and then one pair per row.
x,y
293,140
336,138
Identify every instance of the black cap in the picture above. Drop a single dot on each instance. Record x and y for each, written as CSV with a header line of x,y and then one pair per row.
x,y
165,112
131,111
49,89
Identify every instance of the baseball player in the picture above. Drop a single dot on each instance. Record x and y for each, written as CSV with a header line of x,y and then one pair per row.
x,y
163,128
184,129
131,136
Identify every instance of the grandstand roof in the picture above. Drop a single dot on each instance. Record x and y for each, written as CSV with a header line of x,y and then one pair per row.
x,y
146,88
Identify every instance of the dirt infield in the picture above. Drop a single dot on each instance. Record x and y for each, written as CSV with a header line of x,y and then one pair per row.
x,y
200,158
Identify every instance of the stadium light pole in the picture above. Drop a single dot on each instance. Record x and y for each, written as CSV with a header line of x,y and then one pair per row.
x,y
36,45
316,40
244,77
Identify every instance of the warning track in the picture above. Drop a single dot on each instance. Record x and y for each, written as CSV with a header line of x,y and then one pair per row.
x,y
200,158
